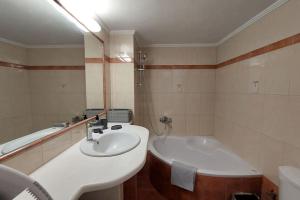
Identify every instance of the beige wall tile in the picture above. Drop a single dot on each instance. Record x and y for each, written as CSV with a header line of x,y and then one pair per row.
x,y
59,56
206,124
193,103
276,122
158,80
294,70
265,122
292,136
271,157
94,85
193,126
122,85
276,73
291,155
180,55
56,146
186,95
12,53
271,28
35,157
28,161
78,133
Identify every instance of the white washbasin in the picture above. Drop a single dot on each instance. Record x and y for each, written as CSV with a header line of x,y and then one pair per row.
x,y
110,144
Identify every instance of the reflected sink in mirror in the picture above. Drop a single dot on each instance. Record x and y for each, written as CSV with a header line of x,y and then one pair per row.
x,y
22,141
110,144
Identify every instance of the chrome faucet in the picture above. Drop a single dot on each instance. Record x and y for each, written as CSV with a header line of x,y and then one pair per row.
x,y
96,126
165,120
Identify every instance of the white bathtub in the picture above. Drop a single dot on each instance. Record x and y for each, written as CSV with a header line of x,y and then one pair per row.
x,y
27,139
205,153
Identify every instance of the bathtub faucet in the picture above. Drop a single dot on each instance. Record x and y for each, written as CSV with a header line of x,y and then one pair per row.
x,y
165,120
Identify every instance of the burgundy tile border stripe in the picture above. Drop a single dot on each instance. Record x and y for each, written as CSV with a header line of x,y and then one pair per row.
x,y
180,66
12,65
28,67
268,48
81,67
106,59
93,60
263,50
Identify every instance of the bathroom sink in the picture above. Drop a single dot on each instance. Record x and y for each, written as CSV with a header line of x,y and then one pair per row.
x,y
110,144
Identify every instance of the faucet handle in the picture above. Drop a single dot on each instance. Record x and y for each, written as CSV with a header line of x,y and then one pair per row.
x,y
98,130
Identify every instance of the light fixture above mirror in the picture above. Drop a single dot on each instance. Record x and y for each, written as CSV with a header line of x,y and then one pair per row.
x,y
80,10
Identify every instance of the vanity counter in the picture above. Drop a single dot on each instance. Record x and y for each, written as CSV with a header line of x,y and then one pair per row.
x,y
72,173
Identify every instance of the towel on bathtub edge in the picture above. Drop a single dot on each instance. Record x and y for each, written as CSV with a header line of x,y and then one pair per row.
x,y
183,175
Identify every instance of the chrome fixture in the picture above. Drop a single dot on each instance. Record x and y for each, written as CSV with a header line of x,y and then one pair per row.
x,y
165,120
95,126
141,66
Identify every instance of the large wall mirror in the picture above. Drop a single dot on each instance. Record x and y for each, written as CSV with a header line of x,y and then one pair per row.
x,y
45,73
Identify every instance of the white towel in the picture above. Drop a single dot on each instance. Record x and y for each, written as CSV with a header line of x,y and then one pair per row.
x,y
183,175
26,195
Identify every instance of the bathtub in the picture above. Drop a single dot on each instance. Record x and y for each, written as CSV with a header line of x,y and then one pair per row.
x,y
205,153
27,139
220,172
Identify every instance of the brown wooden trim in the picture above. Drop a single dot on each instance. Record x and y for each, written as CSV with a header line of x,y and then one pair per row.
x,y
266,49
45,139
180,66
55,67
94,60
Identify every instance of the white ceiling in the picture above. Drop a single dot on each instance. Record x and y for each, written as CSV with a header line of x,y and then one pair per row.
x,y
36,22
181,21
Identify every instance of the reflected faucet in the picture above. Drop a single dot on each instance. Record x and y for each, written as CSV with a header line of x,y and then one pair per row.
x,y
165,120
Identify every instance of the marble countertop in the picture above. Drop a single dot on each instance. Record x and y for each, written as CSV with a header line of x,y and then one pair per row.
x,y
72,173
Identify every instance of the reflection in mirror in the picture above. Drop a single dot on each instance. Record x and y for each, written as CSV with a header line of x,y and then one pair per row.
x,y
94,62
42,73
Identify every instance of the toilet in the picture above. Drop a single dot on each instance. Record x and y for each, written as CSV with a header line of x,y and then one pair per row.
x,y
289,187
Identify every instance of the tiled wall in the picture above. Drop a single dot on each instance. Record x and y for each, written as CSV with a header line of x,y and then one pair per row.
x,y
122,74
94,72
263,126
37,156
186,95
56,96
55,57
32,100
271,28
139,96
15,104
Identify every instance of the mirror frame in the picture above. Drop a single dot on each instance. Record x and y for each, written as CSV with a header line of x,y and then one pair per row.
x,y
58,133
